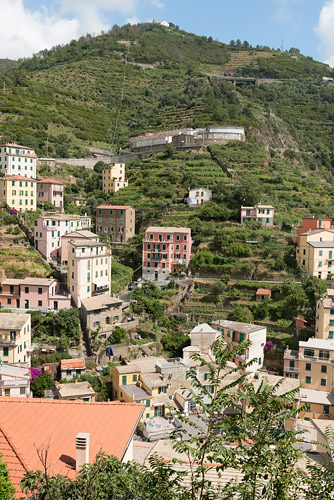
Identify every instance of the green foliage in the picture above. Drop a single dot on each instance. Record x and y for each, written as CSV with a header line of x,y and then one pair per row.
x,y
121,276
119,334
243,314
63,324
147,301
174,343
7,490
41,383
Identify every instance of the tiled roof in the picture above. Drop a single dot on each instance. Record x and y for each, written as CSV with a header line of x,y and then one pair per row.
x,y
19,178
99,302
13,321
67,364
14,145
49,181
27,425
263,291
113,207
159,229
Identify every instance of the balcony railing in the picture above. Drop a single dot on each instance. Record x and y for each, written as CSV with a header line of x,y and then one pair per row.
x,y
290,369
317,359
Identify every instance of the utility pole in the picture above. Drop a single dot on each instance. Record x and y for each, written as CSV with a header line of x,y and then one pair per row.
x,y
282,45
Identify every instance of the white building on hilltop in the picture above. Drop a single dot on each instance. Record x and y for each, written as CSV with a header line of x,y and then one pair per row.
x,y
17,160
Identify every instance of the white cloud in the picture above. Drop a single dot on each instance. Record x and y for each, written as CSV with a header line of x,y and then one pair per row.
x,y
132,20
325,32
283,11
157,3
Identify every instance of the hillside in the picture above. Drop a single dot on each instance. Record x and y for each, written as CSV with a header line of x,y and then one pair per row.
x,y
99,91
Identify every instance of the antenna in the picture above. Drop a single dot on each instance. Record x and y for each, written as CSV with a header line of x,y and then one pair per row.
x,y
282,45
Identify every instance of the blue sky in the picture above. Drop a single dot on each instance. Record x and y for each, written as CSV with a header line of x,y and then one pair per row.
x,y
306,24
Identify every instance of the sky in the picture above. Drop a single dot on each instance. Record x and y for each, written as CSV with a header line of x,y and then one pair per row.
x,y
28,26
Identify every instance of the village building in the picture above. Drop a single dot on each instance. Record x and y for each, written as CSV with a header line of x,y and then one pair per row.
x,y
83,234
89,269
198,196
101,312
113,178
41,294
15,338
48,231
165,249
235,331
17,160
311,224
73,432
118,222
151,381
324,319
18,192
314,253
72,368
75,391
259,213
14,380
262,294
51,191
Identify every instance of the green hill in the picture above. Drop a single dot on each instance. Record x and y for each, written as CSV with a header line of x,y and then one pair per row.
x,y
99,91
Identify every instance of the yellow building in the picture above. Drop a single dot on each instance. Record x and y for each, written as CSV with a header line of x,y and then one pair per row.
x,y
151,381
315,253
316,364
324,323
18,192
15,338
316,404
113,178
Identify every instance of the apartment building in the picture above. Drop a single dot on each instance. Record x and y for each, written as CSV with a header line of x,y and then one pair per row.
x,y
259,213
41,294
89,269
311,224
17,160
313,364
118,222
113,178
324,320
49,230
315,252
234,331
51,191
164,250
18,192
85,234
15,338
151,381
14,380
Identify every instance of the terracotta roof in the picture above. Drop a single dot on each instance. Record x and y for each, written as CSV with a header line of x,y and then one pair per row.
x,y
114,207
14,145
19,178
66,364
54,424
49,181
263,291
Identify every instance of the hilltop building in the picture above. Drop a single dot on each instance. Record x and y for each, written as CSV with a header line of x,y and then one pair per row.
x,y
101,311
113,178
89,269
259,213
18,192
311,224
41,294
118,222
51,191
164,250
314,252
15,338
198,196
49,230
17,160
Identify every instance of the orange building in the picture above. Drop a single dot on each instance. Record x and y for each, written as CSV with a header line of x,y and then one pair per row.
x,y
311,224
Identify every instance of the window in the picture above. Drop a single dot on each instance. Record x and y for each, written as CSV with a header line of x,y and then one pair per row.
x,y
124,380
228,333
320,264
308,380
40,303
22,391
326,409
331,322
292,364
40,291
323,382
331,334
151,237
242,337
320,253
148,246
5,351
148,404
206,376
323,369
134,378
308,367
260,361
7,392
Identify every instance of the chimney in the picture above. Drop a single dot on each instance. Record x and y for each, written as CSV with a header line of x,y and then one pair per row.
x,y
82,449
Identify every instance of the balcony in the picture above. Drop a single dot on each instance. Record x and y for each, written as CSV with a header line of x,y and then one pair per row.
x,y
316,359
7,343
290,369
156,259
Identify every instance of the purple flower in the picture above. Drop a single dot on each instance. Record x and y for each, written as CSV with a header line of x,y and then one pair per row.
x,y
34,373
269,345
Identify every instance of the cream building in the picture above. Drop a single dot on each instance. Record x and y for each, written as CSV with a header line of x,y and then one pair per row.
x,y
316,364
324,322
17,160
315,253
89,269
113,178
15,338
18,192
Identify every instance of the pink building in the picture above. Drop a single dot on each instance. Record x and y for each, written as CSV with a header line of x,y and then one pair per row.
x,y
291,363
33,293
75,236
51,191
164,249
49,230
259,213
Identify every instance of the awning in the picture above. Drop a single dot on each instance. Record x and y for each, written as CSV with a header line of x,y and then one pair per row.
x,y
101,283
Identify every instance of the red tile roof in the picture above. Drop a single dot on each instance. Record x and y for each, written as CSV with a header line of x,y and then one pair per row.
x,y
27,425
113,207
49,181
67,364
263,291
19,178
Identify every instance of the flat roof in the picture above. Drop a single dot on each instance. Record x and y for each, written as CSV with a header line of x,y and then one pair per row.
x,y
287,383
313,396
237,326
8,321
65,216
99,302
135,391
29,281
156,229
144,365
75,389
87,243
327,344
84,233
321,244
113,207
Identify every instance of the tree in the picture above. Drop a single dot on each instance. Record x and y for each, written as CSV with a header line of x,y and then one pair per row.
x,y
294,299
41,383
170,150
243,314
232,43
320,477
314,288
245,45
119,334
7,490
